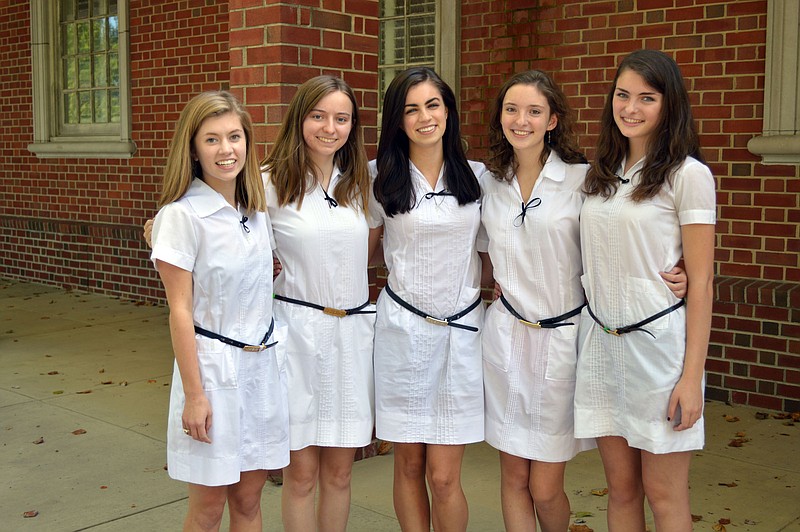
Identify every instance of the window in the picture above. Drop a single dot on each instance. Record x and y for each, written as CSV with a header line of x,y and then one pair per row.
x,y
780,142
418,33
81,100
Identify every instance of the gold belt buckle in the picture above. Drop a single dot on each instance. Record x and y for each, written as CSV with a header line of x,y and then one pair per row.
x,y
527,323
339,313
436,321
254,348
611,331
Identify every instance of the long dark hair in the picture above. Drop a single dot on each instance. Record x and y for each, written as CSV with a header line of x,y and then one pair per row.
x,y
288,164
393,187
563,139
676,136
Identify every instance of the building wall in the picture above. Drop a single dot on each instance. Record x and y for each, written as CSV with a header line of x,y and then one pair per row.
x,y
755,343
76,222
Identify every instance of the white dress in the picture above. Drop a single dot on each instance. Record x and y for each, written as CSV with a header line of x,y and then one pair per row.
x,y
323,251
232,283
529,374
428,378
625,382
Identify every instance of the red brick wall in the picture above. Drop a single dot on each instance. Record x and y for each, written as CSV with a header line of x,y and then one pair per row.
x,y
76,222
276,47
720,46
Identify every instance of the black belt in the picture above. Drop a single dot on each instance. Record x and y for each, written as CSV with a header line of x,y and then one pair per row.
x,y
549,323
619,331
437,321
338,312
236,343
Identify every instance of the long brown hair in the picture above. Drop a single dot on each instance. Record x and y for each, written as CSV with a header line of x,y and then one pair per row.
x,y
676,138
562,138
181,167
289,166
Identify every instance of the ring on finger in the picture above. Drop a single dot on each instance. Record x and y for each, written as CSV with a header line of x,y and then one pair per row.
x,y
186,431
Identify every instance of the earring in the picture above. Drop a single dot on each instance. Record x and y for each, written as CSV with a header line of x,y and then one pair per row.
x,y
548,136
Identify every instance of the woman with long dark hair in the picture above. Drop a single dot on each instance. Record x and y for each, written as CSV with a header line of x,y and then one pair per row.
x,y
428,378
651,200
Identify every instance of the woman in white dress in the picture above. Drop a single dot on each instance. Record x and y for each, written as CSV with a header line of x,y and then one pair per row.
x,y
640,375
317,189
428,377
530,211
228,416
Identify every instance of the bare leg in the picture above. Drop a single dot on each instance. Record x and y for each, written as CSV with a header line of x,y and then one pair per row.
x,y
299,489
448,504
244,501
666,485
206,504
623,469
335,471
410,494
549,499
515,494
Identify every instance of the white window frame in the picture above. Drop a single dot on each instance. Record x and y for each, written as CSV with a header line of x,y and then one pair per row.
x,y
48,140
780,141
447,42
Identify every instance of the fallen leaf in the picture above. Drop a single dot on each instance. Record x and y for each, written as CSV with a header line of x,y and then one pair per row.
x,y
30,513
580,528
123,383
731,419
103,487
102,370
741,434
750,522
795,416
58,392
106,382
738,442
781,416
600,492
696,518
719,528
52,373
151,381
762,415
83,392
724,521
729,484
39,440
78,432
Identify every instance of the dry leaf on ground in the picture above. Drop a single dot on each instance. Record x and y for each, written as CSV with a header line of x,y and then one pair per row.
x,y
600,492
731,419
30,513
78,432
719,528
738,442
728,484
762,415
39,440
696,518
580,528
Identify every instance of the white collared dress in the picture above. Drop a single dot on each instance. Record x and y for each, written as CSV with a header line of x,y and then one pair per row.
x,y
429,378
323,250
624,382
231,296
529,373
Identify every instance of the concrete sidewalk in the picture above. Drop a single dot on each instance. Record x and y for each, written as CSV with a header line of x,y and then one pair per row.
x,y
74,362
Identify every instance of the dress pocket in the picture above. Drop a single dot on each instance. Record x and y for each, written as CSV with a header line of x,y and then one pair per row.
x,y
217,365
644,298
497,337
562,356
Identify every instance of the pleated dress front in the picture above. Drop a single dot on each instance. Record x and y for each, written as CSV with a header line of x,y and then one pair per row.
x,y
323,250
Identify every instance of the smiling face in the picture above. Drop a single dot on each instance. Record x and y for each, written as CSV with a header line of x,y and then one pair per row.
x,y
637,109
220,146
327,126
424,115
526,117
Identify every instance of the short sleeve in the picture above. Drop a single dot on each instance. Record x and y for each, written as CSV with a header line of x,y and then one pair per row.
x,y
695,194
174,237
375,212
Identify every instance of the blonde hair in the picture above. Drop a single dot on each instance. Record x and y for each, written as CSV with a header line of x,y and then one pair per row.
x,y
181,167
288,164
